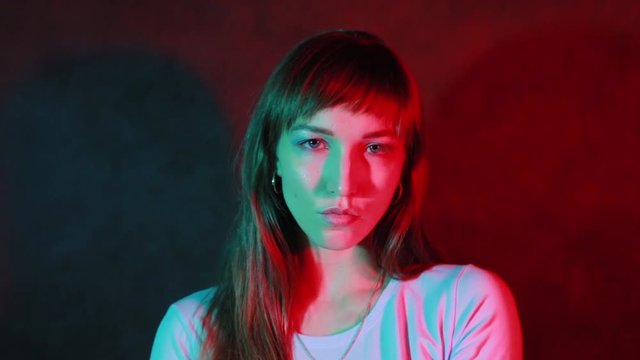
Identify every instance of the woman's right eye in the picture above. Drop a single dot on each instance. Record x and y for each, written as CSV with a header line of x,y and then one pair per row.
x,y
312,144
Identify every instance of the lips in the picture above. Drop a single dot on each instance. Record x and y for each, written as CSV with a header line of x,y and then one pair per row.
x,y
339,217
339,220
339,211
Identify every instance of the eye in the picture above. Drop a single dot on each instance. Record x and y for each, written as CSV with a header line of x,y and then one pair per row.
x,y
312,144
378,148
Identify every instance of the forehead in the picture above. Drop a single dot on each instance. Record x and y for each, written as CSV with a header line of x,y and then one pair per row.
x,y
340,121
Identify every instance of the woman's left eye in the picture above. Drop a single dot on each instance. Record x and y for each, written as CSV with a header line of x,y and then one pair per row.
x,y
378,148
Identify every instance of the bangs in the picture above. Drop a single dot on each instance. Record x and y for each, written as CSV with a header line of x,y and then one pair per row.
x,y
357,98
367,78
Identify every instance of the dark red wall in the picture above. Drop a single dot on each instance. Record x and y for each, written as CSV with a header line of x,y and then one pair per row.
x,y
533,117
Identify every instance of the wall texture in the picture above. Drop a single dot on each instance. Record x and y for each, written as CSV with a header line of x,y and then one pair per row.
x,y
119,120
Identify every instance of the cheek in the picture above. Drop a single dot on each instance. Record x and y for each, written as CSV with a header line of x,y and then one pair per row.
x,y
303,176
386,174
299,182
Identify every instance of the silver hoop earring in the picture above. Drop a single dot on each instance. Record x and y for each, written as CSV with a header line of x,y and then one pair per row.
x,y
396,199
273,183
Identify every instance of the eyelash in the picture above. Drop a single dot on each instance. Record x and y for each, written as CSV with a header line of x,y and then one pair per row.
x,y
383,148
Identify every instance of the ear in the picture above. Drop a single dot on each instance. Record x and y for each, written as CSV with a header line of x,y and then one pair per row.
x,y
280,149
277,164
425,181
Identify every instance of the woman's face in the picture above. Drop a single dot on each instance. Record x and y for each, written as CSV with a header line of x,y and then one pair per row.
x,y
339,159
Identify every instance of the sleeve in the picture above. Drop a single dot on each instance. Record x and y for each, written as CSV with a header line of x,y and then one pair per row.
x,y
176,339
486,321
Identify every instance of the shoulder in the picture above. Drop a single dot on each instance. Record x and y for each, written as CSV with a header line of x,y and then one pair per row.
x,y
438,279
180,332
195,304
477,284
461,281
484,322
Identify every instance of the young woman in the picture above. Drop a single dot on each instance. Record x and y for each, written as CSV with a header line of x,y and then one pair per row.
x,y
331,260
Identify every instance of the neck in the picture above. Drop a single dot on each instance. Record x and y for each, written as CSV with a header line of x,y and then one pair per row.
x,y
343,272
329,278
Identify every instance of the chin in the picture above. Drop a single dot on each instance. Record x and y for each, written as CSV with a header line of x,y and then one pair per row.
x,y
336,247
336,240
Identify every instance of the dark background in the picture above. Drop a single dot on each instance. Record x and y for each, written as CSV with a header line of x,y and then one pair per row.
x,y
119,120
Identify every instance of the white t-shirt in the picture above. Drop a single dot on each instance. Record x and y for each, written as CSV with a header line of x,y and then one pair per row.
x,y
448,312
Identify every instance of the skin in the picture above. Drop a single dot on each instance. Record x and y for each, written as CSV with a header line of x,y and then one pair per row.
x,y
335,164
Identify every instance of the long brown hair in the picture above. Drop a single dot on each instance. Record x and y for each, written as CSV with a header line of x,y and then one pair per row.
x,y
248,317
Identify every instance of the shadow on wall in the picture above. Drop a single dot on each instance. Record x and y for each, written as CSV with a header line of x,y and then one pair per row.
x,y
119,198
535,158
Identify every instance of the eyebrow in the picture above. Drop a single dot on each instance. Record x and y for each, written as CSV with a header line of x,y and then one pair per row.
x,y
374,134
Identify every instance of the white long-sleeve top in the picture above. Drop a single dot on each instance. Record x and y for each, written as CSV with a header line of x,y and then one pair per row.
x,y
448,312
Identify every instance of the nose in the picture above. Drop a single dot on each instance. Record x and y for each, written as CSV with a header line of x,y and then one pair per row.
x,y
343,174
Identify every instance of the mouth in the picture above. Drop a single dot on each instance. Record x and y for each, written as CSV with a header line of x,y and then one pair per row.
x,y
339,216
339,220
339,211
